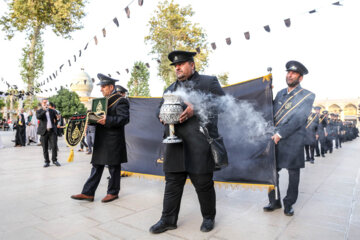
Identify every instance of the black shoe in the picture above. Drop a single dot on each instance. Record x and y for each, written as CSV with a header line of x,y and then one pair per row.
x,y
312,161
307,160
162,226
289,211
271,207
57,163
317,155
46,165
323,155
207,225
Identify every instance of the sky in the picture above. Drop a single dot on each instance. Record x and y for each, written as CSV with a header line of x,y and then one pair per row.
x,y
326,42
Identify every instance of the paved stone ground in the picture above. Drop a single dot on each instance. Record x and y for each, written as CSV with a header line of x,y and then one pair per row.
x,y
35,202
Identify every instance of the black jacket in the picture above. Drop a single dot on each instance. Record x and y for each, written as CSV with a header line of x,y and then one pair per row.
x,y
290,149
311,129
41,115
193,154
109,145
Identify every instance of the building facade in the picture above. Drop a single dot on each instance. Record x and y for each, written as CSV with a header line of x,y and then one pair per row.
x,y
348,109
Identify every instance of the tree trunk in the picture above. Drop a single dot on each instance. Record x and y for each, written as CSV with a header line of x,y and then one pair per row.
x,y
31,68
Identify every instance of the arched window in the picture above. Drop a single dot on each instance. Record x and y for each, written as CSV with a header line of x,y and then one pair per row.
x,y
335,109
350,110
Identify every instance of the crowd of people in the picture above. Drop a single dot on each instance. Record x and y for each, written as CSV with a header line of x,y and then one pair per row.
x,y
324,133
297,137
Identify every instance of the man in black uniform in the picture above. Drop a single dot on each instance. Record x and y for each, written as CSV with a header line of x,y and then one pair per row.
x,y
311,136
192,157
322,131
291,108
109,144
338,131
317,149
331,129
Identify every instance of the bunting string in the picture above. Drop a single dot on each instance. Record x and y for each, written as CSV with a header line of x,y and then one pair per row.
x,y
41,84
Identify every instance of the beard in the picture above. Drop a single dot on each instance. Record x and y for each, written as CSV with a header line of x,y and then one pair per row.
x,y
294,83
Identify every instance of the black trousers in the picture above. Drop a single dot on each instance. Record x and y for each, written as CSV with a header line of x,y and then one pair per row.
x,y
20,138
329,144
95,176
309,152
204,186
49,137
337,141
293,187
317,150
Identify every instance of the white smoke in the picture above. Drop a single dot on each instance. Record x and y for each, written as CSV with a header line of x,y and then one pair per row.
x,y
241,121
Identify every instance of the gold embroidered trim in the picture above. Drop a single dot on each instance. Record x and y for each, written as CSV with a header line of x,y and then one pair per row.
x,y
292,109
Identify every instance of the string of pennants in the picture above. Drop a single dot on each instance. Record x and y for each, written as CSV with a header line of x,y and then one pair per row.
x,y
115,21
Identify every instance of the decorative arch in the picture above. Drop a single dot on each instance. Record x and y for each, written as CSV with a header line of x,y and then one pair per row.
x,y
350,110
334,108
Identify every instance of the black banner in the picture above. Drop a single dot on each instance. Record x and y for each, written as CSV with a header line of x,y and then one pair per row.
x,y
249,163
75,130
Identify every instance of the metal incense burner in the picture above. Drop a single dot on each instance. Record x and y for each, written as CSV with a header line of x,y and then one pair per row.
x,y
170,113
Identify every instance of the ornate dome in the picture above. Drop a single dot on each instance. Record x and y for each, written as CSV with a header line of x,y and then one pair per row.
x,y
82,84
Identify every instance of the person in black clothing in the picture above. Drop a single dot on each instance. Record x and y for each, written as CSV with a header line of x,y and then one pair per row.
x,y
192,157
291,108
311,136
322,131
20,137
109,145
48,131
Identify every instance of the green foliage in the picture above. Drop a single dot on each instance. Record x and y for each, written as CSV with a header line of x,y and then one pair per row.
x,y
33,16
68,103
2,104
31,103
223,78
171,29
139,81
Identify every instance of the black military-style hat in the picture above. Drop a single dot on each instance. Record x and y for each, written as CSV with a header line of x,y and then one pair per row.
x,y
105,80
325,112
296,67
317,108
120,88
179,56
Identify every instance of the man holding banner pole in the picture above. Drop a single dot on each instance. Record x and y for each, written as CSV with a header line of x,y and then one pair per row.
x,y
291,108
109,145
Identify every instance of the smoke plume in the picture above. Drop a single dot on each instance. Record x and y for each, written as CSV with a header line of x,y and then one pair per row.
x,y
239,117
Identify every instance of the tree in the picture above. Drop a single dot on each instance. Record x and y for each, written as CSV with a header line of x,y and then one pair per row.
x,y
32,17
139,81
2,104
171,29
30,103
68,103
223,78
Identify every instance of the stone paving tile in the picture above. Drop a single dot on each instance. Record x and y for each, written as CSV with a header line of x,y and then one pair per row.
x,y
58,210
66,226
92,234
28,233
105,213
303,230
13,220
354,232
126,231
36,204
